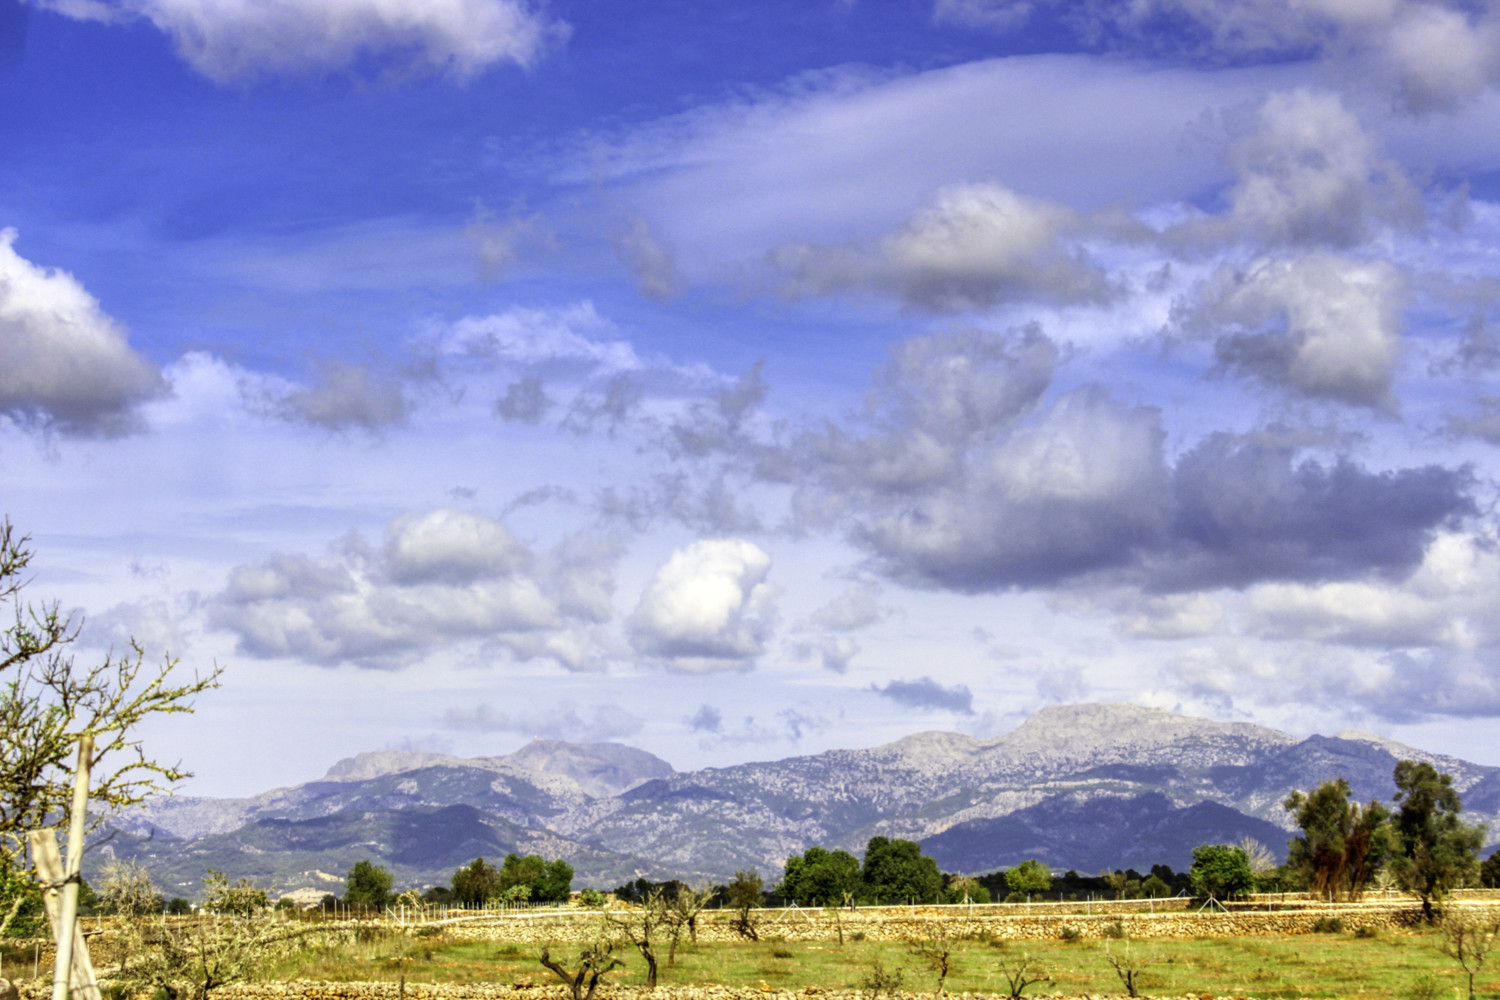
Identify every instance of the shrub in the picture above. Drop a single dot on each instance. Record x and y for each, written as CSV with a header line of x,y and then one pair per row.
x,y
1070,934
1115,930
1328,925
883,980
1016,897
781,953
1366,932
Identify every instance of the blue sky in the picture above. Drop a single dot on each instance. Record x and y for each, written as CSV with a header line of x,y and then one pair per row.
x,y
741,380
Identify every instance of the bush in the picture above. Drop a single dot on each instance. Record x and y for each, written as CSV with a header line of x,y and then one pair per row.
x,y
1115,930
591,898
1366,932
781,953
1070,934
1328,925
1016,897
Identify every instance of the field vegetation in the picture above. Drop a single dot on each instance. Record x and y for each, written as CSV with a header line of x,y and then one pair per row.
x,y
1404,965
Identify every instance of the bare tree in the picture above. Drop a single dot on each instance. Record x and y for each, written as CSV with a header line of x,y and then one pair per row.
x,y
640,926
188,960
1467,939
1021,973
47,703
937,954
594,960
686,905
1127,968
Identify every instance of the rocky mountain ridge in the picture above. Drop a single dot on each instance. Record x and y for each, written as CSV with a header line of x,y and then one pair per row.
x,y
1141,782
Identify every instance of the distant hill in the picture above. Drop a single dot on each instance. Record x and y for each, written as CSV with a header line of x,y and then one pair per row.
x,y
1078,786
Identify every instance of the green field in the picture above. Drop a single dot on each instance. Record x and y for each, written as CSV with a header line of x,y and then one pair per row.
x,y
1398,965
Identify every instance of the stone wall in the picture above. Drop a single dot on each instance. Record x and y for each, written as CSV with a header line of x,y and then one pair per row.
x,y
907,923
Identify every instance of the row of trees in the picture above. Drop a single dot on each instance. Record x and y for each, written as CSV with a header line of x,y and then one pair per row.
x,y
1425,844
892,871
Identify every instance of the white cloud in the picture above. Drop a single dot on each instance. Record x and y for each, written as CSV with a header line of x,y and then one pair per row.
x,y
978,244
574,334
856,608
234,39
441,578
63,362
1310,175
1436,53
1445,602
1320,325
1443,56
708,607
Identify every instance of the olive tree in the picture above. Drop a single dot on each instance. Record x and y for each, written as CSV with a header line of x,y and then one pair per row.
x,y
48,701
1437,850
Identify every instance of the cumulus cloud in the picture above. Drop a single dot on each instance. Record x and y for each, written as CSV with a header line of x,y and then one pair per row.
x,y
1435,53
707,608
63,362
926,694
440,578
1082,488
346,396
979,244
1321,326
1310,175
239,39
1401,686
1443,55
979,483
1444,602
1251,508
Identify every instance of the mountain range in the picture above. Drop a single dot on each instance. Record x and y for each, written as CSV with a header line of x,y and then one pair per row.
x,y
1076,786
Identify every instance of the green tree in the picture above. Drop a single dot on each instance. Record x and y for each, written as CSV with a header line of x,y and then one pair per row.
x,y
745,893
1342,844
1489,872
1221,871
967,889
368,885
556,883
517,870
240,899
475,883
1029,877
48,701
895,871
1438,851
820,876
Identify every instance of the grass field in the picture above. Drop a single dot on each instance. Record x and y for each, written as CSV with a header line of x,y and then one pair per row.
x,y
1400,966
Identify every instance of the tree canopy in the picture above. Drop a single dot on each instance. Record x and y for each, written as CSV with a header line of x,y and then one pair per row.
x,y
1342,844
820,876
1438,851
368,884
896,870
1029,877
1221,871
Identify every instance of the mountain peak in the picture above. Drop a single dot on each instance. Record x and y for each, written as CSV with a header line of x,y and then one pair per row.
x,y
374,763
1123,729
600,769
